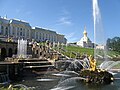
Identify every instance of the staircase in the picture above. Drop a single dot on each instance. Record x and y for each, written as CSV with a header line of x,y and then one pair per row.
x,y
36,64
59,55
43,63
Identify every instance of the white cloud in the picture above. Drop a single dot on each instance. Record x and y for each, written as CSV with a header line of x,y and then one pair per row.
x,y
64,21
71,37
65,18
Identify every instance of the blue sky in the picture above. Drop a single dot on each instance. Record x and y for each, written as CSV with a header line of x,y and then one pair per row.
x,y
66,17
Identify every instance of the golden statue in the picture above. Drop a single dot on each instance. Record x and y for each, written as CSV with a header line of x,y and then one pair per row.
x,y
9,39
92,63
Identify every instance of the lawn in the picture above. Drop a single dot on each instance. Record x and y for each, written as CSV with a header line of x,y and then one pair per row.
x,y
71,51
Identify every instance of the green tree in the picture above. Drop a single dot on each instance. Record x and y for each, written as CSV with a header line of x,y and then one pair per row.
x,y
113,44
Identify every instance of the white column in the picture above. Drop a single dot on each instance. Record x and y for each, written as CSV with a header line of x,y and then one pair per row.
x,y
10,30
25,34
4,30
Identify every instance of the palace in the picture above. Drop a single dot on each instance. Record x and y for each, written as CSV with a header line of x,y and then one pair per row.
x,y
85,41
15,29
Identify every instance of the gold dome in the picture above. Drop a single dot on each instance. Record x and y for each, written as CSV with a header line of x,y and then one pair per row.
x,y
85,32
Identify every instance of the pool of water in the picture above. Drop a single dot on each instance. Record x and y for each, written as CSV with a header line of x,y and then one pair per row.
x,y
67,80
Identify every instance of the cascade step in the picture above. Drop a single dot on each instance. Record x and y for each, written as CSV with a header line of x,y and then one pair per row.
x,y
32,60
43,66
36,62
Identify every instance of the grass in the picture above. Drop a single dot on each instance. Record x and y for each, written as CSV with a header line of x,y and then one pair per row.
x,y
80,50
71,51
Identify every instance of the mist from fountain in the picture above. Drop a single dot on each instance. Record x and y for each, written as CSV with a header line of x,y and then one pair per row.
x,y
63,88
68,83
73,64
99,38
112,65
107,65
22,48
98,29
59,74
21,85
45,80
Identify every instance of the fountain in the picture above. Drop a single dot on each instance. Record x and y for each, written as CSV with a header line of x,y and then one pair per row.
x,y
22,48
93,74
87,69
98,29
70,73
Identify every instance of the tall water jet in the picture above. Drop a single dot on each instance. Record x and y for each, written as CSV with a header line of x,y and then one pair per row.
x,y
22,48
98,29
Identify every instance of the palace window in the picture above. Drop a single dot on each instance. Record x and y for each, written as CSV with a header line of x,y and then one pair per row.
x,y
40,36
28,34
18,31
54,38
13,31
49,36
23,32
2,29
33,33
43,36
6,31
36,35
46,36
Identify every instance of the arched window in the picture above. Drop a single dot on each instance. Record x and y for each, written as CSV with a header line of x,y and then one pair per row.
x,y
23,32
6,31
43,36
40,36
10,52
20,31
3,53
